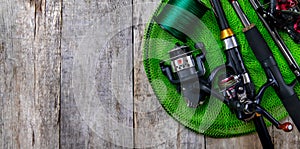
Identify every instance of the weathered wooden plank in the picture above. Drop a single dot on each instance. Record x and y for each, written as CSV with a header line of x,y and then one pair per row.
x,y
246,142
30,73
97,75
30,59
153,126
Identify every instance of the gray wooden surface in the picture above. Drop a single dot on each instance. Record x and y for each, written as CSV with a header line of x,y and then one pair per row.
x,y
72,77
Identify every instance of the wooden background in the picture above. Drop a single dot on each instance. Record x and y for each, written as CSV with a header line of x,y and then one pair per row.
x,y
48,52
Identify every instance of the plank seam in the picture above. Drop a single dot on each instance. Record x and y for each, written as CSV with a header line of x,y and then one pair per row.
x,y
132,61
60,77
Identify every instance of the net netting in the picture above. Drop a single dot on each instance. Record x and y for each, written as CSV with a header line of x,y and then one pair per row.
x,y
213,118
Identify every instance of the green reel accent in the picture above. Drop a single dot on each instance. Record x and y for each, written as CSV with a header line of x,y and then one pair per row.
x,y
213,119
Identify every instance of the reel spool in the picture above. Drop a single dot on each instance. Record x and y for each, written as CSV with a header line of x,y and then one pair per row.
x,y
179,18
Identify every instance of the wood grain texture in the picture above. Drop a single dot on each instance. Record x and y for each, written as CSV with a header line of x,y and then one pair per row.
x,y
72,77
153,127
248,142
30,73
100,33
159,129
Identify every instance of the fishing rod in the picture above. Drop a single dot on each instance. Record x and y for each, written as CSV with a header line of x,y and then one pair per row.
x,y
232,48
187,72
237,80
264,55
283,14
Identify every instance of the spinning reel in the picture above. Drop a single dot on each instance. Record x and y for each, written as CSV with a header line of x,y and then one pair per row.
x,y
284,14
185,71
234,85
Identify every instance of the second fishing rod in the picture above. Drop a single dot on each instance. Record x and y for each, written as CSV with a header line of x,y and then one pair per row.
x,y
232,48
282,19
264,55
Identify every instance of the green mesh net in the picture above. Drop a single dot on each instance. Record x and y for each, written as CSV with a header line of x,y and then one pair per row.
x,y
214,119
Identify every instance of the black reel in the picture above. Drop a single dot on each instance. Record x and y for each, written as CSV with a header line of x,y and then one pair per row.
x,y
185,71
233,89
285,14
188,73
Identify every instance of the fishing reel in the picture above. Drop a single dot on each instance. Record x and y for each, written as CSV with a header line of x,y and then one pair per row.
x,y
285,14
234,90
185,71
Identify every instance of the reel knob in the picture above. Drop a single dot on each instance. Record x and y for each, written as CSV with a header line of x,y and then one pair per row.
x,y
287,126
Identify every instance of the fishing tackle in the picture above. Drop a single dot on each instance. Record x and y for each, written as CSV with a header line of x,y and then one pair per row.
x,y
185,70
235,88
264,55
281,14
231,45
188,73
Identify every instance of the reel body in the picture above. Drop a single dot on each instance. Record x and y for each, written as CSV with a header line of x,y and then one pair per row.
x,y
285,14
185,71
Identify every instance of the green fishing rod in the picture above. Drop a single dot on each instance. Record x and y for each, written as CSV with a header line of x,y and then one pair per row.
x,y
264,55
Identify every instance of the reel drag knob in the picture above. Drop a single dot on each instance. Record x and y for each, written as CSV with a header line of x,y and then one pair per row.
x,y
287,127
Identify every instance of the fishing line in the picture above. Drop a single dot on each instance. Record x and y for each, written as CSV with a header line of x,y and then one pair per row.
x,y
181,18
